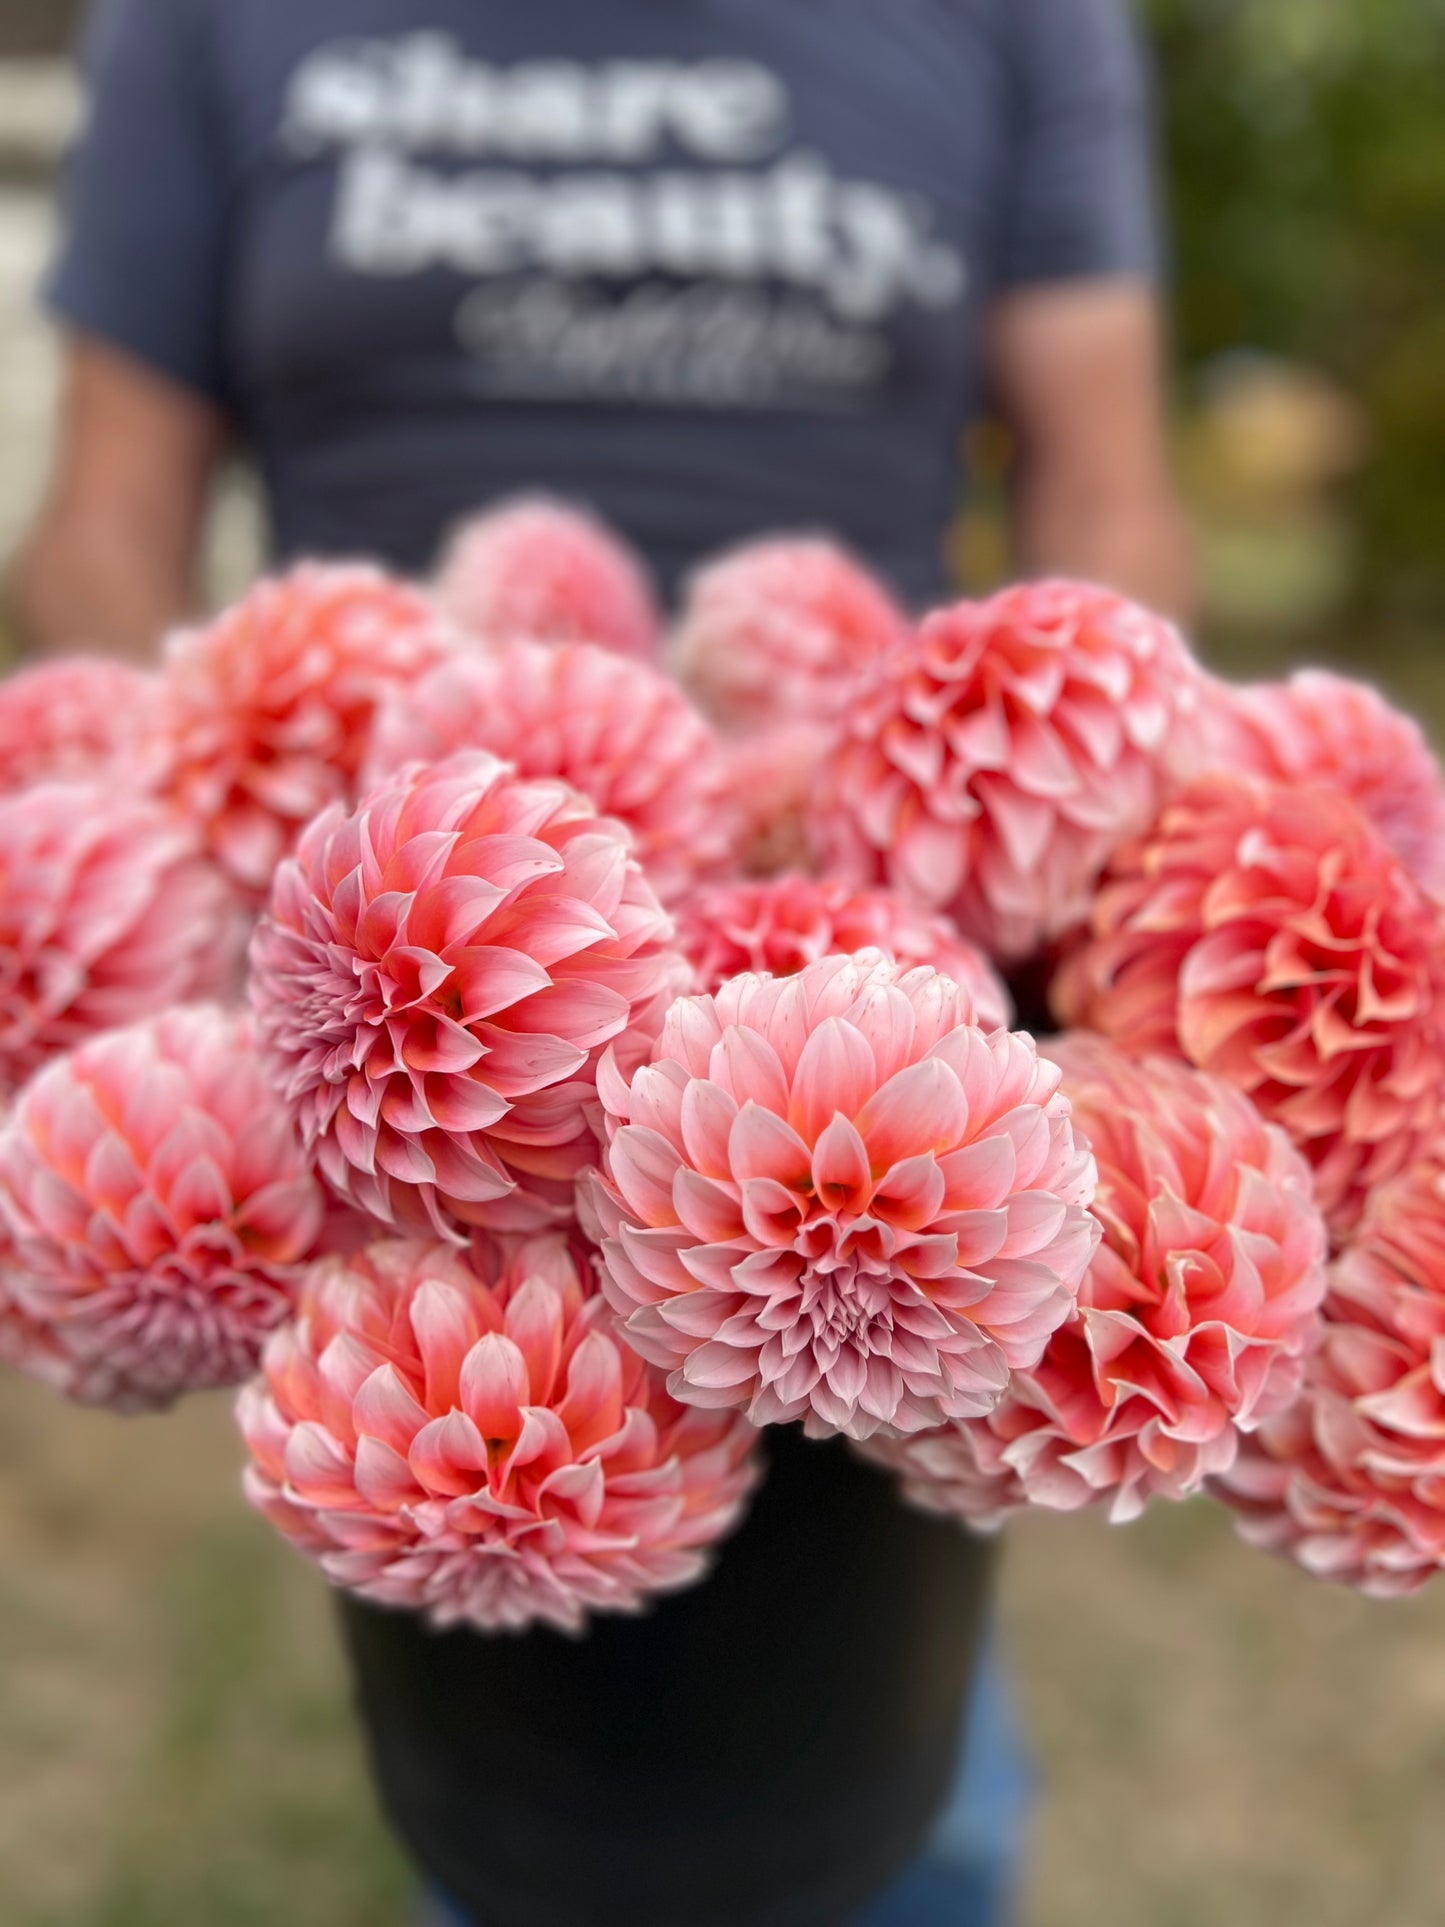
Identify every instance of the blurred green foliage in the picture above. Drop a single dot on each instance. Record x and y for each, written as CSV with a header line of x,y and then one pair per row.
x,y
1306,156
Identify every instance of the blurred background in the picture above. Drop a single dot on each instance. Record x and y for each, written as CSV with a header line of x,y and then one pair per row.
x,y
1221,1743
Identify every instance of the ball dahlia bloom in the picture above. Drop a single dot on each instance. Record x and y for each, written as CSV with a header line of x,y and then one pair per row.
x,y
548,571
769,778
781,926
1193,1319
1350,1480
619,731
834,1197
435,980
79,718
1330,732
270,707
158,1211
1269,935
484,1449
780,631
109,911
992,767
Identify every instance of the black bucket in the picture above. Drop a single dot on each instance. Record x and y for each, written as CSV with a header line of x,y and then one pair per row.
x,y
765,1750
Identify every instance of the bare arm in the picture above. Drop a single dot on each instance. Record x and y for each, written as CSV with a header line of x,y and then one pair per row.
x,y
111,561
1078,370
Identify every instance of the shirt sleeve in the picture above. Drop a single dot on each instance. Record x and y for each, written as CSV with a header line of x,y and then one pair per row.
x,y
142,262
1081,198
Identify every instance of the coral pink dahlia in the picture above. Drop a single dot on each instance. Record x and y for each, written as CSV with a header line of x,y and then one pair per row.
x,y
1270,936
77,718
548,571
781,630
270,707
436,979
619,731
770,778
108,912
992,767
834,1197
791,921
483,1449
158,1209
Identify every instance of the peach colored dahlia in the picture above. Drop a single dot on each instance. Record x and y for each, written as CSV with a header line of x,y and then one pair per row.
x,y
1269,935
791,921
619,731
1350,1480
77,718
545,570
108,912
834,1197
1193,1318
158,1209
992,767
436,978
484,1449
271,706
781,630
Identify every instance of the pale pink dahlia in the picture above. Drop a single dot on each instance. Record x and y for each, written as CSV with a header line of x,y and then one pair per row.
x,y
781,631
1330,732
436,978
1269,935
158,1209
770,776
108,912
789,922
1193,1319
484,1449
271,706
77,718
992,767
619,731
833,1197
1350,1480
545,570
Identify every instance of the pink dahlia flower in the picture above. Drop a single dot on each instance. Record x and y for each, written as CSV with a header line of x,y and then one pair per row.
x,y
158,1209
1330,732
992,767
1270,936
770,776
270,707
1350,1480
78,718
108,912
781,630
619,731
1193,1319
544,570
484,1449
834,1197
436,978
783,925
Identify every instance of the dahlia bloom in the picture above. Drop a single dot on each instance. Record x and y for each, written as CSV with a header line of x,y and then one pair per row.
x,y
270,707
833,1197
789,922
484,1449
1329,732
158,1211
619,731
1193,1318
108,912
781,631
78,718
435,980
1270,936
1350,1480
547,571
992,767
769,778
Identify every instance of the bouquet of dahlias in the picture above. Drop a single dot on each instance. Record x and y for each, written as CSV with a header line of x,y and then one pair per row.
x,y
536,1058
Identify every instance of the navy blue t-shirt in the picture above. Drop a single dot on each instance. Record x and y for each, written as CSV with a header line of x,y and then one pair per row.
x,y
712,266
